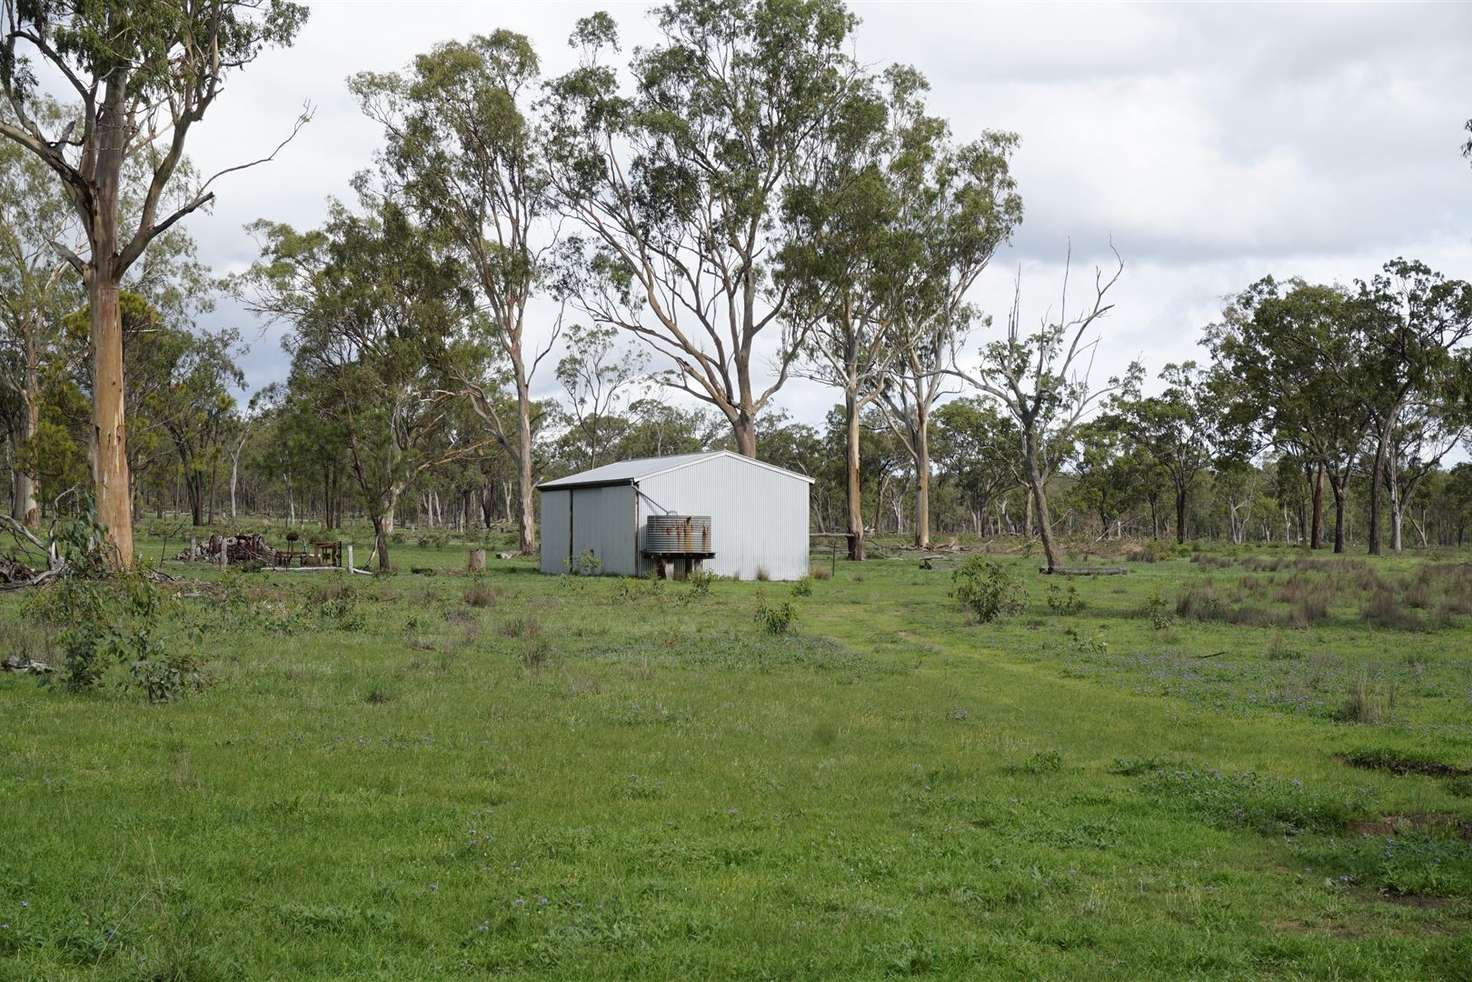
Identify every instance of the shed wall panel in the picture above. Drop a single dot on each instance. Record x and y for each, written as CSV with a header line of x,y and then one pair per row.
x,y
603,523
555,540
759,516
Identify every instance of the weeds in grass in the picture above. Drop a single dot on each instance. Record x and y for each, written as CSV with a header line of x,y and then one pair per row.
x,y
1271,806
480,593
1401,762
1158,610
1065,602
1385,609
378,693
637,590
698,583
1368,703
535,652
1042,762
776,618
1087,645
1207,601
336,605
1459,787
1135,766
1280,650
521,626
588,564
803,587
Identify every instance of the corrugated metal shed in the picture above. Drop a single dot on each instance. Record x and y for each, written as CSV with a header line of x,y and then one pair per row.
x,y
758,513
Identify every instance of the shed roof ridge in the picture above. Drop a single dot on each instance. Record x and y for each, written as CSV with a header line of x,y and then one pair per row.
x,y
677,462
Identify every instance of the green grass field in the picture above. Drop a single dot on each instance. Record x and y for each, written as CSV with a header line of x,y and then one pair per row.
x,y
429,776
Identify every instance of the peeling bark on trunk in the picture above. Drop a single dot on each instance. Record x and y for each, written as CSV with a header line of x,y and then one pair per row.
x,y
1039,497
110,466
922,477
1316,524
527,521
1340,496
855,489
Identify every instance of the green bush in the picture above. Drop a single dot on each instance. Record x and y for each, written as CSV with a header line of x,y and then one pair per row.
x,y
777,618
987,589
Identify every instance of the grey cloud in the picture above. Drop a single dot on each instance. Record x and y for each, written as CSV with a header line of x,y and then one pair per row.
x,y
1212,143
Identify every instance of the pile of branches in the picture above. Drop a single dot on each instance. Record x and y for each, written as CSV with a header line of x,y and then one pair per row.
x,y
35,563
242,547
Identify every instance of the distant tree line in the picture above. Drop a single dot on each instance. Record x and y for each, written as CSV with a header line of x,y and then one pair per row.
x,y
737,204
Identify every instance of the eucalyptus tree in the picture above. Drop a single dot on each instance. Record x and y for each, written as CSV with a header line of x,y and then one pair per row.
x,y
977,446
1296,354
837,224
1104,471
464,149
36,290
373,302
676,188
1042,379
1414,320
1430,427
142,74
597,376
196,408
954,205
1181,428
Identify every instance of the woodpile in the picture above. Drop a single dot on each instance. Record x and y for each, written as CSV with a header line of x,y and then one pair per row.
x,y
242,547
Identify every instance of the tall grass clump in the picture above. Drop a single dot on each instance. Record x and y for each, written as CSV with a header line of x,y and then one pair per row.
x,y
1367,702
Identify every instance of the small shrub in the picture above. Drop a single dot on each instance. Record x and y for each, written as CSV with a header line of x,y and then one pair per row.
x,y
762,575
588,564
699,582
1158,610
777,618
1065,602
803,587
987,589
82,656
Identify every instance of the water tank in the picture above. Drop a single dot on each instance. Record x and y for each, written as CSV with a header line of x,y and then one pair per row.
x,y
678,535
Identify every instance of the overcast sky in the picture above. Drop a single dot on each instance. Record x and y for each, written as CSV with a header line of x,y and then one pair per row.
x,y
1213,144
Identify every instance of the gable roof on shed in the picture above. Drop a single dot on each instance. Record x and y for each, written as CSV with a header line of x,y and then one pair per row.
x,y
634,471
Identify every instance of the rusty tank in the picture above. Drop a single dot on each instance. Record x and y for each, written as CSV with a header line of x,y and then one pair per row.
x,y
678,535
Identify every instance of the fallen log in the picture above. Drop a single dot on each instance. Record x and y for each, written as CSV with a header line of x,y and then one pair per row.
x,y
1084,571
